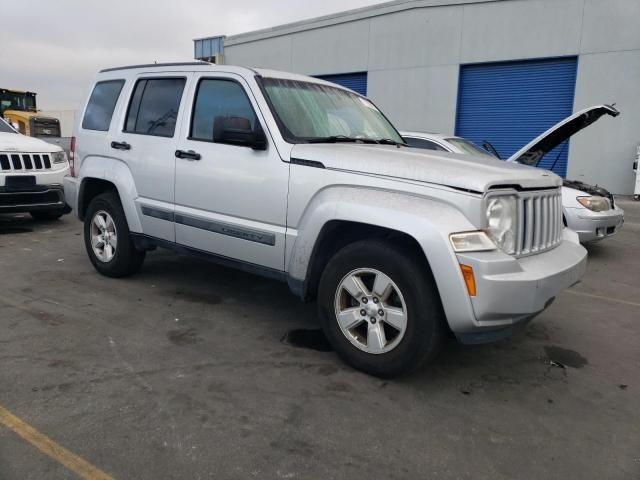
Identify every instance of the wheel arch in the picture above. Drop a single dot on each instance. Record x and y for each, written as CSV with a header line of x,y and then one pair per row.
x,y
337,234
100,175
334,219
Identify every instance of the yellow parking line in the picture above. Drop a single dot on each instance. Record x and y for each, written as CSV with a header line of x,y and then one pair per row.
x,y
47,446
600,297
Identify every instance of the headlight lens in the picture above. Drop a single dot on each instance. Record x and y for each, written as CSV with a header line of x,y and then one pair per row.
x,y
59,157
471,242
596,203
502,222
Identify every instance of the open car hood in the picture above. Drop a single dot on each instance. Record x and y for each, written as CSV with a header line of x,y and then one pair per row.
x,y
532,152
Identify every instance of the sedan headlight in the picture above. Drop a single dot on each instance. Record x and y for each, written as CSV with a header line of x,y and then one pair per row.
x,y
59,157
595,204
502,222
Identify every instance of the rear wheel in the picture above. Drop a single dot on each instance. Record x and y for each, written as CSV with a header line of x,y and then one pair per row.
x,y
380,309
108,240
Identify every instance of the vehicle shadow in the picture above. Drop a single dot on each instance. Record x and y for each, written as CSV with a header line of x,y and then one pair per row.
x,y
15,223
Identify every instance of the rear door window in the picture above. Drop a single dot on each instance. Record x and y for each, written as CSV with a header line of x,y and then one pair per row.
x,y
154,106
101,105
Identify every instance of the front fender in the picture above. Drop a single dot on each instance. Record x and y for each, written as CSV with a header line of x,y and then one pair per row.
x,y
117,173
428,221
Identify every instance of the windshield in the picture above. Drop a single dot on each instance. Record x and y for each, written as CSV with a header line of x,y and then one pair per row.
x,y
310,112
4,128
468,147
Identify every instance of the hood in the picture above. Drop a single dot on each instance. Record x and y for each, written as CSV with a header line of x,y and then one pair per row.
x,y
533,151
589,189
16,142
465,172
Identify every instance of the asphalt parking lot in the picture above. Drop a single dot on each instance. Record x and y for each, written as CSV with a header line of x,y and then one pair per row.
x,y
180,372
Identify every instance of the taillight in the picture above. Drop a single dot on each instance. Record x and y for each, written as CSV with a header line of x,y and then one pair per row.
x,y
72,157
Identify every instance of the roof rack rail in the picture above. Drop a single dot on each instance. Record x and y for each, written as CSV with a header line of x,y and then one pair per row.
x,y
150,65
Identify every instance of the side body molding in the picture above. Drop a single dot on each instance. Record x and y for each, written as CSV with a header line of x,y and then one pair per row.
x,y
118,173
427,220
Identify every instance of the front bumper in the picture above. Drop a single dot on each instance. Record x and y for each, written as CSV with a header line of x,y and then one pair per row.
x,y
38,198
512,291
593,226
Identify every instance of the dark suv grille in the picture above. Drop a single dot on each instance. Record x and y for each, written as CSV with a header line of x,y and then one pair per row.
x,y
45,128
20,162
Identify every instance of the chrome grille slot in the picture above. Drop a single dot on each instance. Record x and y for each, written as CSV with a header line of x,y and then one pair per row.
x,y
10,162
540,222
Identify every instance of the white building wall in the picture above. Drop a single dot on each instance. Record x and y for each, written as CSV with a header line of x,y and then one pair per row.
x,y
413,50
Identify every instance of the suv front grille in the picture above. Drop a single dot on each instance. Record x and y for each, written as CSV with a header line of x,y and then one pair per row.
x,y
540,221
21,162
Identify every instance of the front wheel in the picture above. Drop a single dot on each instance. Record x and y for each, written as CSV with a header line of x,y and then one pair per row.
x,y
380,308
108,240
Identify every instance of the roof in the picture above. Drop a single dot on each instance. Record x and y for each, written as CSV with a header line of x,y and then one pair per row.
x,y
344,17
211,67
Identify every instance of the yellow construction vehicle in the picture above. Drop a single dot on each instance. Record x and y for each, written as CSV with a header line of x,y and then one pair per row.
x,y
19,109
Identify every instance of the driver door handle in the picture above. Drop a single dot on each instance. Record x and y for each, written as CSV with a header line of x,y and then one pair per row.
x,y
189,155
120,145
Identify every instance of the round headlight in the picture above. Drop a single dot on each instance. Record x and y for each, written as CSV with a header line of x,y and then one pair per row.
x,y
501,222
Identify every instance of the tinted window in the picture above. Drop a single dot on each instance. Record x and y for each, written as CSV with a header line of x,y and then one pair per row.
x,y
154,106
5,128
101,105
218,98
422,143
468,147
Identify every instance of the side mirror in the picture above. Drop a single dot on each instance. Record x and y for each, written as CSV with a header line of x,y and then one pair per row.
x,y
238,131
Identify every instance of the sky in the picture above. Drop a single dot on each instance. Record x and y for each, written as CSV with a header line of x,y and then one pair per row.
x,y
55,48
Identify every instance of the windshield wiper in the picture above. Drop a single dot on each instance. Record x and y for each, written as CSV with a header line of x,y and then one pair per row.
x,y
341,139
388,141
346,139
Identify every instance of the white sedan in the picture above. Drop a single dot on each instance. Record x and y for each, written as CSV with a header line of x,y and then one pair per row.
x,y
590,211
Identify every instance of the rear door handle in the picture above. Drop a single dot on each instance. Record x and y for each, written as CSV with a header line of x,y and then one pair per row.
x,y
189,155
120,145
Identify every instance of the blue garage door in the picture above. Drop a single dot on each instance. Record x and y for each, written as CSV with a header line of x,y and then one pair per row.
x,y
354,81
511,103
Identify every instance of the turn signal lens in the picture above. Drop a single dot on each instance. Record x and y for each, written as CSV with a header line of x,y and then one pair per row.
x,y
469,279
471,242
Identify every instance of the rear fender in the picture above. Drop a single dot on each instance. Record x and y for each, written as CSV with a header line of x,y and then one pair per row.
x,y
117,173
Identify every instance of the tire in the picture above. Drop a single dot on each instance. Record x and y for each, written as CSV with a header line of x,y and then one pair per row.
x,y
122,259
413,290
47,215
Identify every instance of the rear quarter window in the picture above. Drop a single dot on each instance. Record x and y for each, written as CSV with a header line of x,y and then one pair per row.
x,y
102,103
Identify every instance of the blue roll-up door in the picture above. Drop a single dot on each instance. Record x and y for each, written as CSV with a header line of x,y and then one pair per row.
x,y
511,103
354,81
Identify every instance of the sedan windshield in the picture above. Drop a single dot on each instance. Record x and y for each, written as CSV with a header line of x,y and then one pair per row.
x,y
4,128
313,113
468,147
